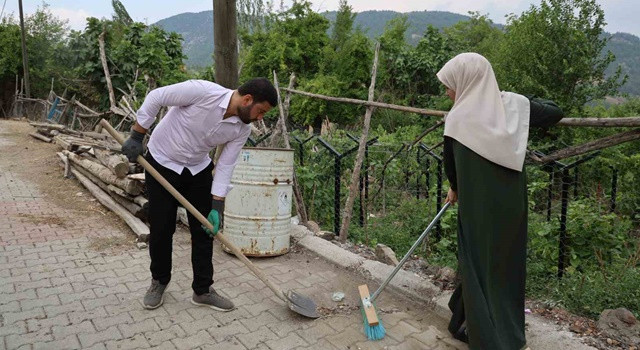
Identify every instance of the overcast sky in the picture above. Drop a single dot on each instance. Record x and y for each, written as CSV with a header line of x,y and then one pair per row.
x,y
621,15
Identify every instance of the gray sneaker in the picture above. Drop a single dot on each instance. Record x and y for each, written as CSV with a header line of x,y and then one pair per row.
x,y
213,300
155,295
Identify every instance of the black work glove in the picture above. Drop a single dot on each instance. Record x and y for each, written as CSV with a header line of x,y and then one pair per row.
x,y
132,147
215,217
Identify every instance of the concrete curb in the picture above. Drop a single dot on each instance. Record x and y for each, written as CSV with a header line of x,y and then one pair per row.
x,y
405,282
541,334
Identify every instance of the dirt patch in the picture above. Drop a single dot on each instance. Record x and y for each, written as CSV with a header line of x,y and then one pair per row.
x,y
111,245
37,162
44,220
583,327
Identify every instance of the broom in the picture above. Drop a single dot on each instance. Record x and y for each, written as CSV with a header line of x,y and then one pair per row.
x,y
373,327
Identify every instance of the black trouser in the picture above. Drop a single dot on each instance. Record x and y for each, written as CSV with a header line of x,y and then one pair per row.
x,y
162,218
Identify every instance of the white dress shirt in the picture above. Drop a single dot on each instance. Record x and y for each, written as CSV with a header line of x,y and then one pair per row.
x,y
192,127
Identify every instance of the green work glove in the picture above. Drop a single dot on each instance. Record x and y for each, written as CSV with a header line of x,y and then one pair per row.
x,y
215,217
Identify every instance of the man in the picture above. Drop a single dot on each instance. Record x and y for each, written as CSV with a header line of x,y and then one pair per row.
x,y
201,116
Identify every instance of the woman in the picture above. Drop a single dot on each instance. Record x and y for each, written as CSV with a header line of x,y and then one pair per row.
x,y
486,135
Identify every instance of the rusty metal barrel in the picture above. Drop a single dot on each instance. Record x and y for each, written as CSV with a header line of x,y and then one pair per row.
x,y
257,215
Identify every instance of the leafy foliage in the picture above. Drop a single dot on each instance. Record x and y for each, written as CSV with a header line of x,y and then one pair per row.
x,y
478,34
554,50
292,42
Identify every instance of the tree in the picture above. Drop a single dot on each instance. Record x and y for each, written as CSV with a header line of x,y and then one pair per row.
x,y
252,14
139,56
392,46
10,61
121,15
47,35
292,41
555,50
343,25
409,72
10,57
478,34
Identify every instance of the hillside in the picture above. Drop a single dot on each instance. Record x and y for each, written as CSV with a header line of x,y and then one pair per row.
x,y
197,31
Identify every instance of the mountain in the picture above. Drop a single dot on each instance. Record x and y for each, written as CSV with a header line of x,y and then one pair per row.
x,y
197,31
626,48
373,22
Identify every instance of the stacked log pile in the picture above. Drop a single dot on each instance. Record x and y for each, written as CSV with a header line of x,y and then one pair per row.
x,y
95,160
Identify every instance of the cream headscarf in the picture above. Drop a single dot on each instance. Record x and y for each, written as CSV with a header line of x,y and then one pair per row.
x,y
495,125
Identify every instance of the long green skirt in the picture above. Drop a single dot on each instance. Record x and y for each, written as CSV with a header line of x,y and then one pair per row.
x,y
492,242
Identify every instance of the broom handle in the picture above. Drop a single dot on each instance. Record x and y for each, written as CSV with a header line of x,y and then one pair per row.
x,y
223,239
406,256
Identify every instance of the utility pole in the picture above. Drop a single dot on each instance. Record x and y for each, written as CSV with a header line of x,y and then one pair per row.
x,y
25,61
225,37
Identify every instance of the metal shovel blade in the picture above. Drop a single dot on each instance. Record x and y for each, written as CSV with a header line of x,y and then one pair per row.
x,y
301,304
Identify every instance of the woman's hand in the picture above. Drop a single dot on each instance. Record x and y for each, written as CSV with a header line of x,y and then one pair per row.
x,y
452,196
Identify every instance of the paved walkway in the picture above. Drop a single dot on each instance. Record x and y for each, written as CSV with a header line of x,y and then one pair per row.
x,y
71,277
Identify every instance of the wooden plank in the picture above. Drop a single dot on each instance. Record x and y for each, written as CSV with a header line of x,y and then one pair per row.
x,y
370,311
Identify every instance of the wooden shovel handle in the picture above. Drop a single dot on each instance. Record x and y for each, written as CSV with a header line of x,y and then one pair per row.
x,y
237,252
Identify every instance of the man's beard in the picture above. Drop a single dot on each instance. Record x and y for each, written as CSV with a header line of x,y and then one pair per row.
x,y
244,113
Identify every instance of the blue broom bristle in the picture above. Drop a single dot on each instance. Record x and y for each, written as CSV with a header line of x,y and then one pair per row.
x,y
372,332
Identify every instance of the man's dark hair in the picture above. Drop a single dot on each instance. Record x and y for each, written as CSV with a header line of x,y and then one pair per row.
x,y
261,89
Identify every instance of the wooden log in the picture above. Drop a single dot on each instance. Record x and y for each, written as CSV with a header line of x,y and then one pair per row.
x,y
119,195
590,146
119,191
140,200
297,193
48,126
601,122
355,175
138,176
117,163
39,137
69,143
94,113
279,132
94,135
132,207
67,166
422,111
132,187
137,226
60,141
71,132
573,122
105,67
47,132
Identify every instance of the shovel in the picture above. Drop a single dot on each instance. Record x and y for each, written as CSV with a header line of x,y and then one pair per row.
x,y
297,302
